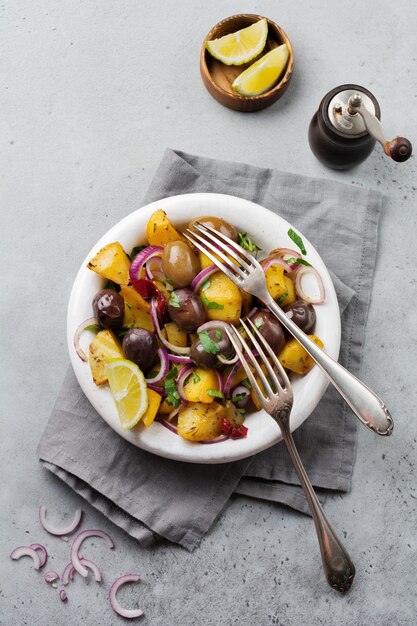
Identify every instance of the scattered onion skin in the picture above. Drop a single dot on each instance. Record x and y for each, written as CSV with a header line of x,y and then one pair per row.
x,y
129,613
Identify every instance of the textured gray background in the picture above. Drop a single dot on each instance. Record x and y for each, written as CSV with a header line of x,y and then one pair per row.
x,y
91,94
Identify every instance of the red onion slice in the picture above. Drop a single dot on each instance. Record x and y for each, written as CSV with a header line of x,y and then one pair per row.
x,y
181,378
276,261
163,371
68,574
27,551
153,269
157,389
167,425
218,439
75,558
140,260
77,335
202,277
302,272
128,578
93,567
219,381
213,325
155,322
42,549
59,531
63,595
51,576
176,358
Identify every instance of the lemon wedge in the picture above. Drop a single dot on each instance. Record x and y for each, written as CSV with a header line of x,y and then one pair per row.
x,y
263,74
129,390
241,46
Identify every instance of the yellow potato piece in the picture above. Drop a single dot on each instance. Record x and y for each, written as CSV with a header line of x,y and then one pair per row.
x,y
199,383
112,263
175,335
102,350
290,291
224,294
199,422
136,313
295,358
154,401
275,281
160,231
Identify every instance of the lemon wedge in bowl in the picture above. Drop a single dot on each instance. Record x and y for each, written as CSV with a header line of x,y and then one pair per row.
x,y
130,393
262,75
241,46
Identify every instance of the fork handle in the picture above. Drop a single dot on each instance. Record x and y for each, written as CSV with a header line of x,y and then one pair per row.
x,y
366,405
337,564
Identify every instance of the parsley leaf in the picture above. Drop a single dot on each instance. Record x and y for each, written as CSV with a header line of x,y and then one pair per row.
x,y
247,244
93,327
218,334
239,397
207,342
174,300
215,393
196,378
259,323
111,285
297,240
246,383
294,261
173,397
210,304
205,285
172,373
282,298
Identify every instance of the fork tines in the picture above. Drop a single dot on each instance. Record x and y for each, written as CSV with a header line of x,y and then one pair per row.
x,y
277,380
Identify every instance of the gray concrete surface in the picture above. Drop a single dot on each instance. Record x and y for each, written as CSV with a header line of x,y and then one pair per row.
x,y
91,94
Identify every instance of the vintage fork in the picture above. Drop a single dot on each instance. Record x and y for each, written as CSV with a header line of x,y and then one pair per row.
x,y
249,276
277,401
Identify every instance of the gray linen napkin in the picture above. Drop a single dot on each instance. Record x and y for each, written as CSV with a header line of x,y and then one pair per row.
x,y
149,496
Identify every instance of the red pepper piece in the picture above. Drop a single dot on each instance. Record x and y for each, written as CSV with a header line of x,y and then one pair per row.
x,y
238,432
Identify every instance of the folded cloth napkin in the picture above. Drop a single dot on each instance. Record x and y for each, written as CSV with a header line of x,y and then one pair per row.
x,y
149,496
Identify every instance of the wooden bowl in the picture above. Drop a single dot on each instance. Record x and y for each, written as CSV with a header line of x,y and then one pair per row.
x,y
218,78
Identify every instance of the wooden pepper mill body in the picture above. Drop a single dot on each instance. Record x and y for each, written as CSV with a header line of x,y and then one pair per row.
x,y
334,148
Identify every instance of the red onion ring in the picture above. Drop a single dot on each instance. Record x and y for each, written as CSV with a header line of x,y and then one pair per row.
x,y
181,378
93,567
276,261
77,335
302,272
202,277
218,439
219,381
68,574
213,325
167,425
153,269
140,260
51,576
42,549
76,544
163,371
128,578
155,322
176,358
26,551
157,389
63,595
59,531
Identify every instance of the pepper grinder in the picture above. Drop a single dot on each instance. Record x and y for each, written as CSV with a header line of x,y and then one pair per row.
x,y
346,126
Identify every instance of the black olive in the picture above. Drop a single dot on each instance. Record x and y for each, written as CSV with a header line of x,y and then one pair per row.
x,y
206,359
186,310
270,328
108,308
141,347
302,314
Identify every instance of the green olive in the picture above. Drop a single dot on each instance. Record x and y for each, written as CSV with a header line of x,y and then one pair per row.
x,y
180,264
218,224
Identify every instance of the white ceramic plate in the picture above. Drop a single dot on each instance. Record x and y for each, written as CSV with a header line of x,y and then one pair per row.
x,y
268,231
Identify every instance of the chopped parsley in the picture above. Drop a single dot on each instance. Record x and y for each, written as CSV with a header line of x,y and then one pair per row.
x,y
241,411
210,304
246,383
173,397
196,378
239,397
297,240
174,300
169,285
93,327
136,251
218,334
207,342
247,244
294,261
172,373
206,284
282,298
215,393
152,374
259,323
111,285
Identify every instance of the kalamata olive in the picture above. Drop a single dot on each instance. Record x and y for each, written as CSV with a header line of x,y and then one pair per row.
x,y
219,224
301,313
270,329
186,310
141,347
179,263
206,359
108,308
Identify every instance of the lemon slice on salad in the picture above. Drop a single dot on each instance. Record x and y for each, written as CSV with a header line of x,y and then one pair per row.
x,y
263,74
241,46
129,390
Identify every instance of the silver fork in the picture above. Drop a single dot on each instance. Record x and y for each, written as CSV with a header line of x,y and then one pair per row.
x,y
277,401
250,277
